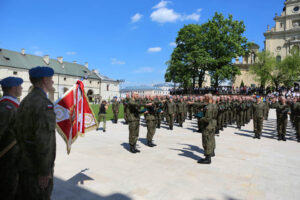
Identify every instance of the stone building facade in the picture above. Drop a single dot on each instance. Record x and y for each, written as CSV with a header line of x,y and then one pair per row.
x,y
279,40
17,64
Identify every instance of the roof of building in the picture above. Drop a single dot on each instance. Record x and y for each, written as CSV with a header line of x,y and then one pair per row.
x,y
27,61
102,77
164,85
140,88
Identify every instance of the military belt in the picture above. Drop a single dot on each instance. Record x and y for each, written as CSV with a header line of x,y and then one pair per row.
x,y
7,148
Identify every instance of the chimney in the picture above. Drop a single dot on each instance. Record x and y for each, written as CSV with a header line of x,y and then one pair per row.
x,y
60,59
23,52
86,65
75,62
46,59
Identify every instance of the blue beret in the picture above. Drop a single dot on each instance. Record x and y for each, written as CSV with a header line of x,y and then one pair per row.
x,y
257,97
40,72
11,82
116,97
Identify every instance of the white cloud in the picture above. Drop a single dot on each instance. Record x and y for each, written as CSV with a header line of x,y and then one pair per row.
x,y
114,61
71,53
154,49
173,44
137,17
161,4
38,53
162,14
144,70
193,17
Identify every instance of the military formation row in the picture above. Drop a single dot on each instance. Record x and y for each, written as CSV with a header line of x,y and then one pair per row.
x,y
213,114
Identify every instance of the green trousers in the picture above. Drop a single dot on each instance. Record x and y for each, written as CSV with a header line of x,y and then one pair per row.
x,y
116,116
258,125
151,128
134,129
102,117
208,141
281,126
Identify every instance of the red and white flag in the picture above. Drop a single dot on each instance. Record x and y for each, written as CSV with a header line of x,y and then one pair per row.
x,y
74,115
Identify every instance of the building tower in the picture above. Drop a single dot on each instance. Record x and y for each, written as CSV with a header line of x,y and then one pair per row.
x,y
285,35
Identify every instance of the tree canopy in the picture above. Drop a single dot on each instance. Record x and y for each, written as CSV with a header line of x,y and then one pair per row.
x,y
209,47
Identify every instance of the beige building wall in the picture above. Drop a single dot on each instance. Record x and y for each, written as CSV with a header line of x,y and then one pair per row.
x,y
286,33
246,77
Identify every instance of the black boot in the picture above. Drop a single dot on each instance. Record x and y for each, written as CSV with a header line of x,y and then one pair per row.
x,y
132,149
298,140
171,127
283,138
213,154
136,150
206,160
150,143
258,137
180,125
158,125
279,137
104,130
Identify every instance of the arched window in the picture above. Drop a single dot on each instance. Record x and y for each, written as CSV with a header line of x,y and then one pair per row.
x,y
278,58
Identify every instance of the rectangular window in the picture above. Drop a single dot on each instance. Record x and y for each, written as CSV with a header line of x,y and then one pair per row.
x,y
65,79
15,73
107,87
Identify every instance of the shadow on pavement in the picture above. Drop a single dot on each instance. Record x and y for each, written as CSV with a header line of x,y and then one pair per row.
x,y
189,151
126,146
66,190
79,178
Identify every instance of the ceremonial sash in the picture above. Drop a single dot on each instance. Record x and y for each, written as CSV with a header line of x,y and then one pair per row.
x,y
10,100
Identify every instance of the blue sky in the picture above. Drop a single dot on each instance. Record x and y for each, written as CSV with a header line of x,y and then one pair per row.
x,y
123,39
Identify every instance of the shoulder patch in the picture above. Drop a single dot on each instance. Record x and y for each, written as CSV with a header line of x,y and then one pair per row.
x,y
8,107
50,106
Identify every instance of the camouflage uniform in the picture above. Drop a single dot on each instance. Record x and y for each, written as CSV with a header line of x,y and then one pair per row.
x,y
258,115
35,125
9,150
115,109
133,121
170,111
150,121
210,123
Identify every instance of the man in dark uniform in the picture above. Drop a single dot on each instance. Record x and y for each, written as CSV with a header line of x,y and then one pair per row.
x,y
133,122
180,111
210,123
258,117
9,149
283,110
170,111
150,116
35,127
115,109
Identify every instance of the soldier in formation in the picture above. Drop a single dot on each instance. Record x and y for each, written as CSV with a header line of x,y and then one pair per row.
x,y
35,128
9,148
115,109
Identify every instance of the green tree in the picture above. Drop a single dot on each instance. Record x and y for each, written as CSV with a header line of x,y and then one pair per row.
x,y
224,41
189,59
290,68
263,69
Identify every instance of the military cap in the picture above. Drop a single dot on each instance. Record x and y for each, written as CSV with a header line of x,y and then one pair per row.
x,y
40,72
115,97
11,82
